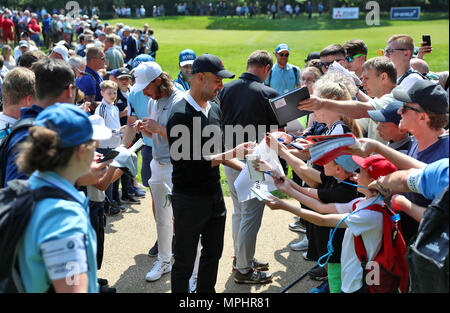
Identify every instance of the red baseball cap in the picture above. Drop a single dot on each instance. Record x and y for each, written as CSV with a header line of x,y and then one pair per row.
x,y
376,165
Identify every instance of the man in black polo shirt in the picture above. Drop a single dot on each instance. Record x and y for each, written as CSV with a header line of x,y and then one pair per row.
x,y
245,106
196,149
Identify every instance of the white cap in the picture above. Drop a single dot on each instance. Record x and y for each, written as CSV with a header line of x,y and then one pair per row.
x,y
145,73
23,43
101,132
62,51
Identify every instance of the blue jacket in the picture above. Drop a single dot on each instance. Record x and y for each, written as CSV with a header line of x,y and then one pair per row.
x,y
12,171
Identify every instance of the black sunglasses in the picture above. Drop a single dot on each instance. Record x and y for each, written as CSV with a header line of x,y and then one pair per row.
x,y
283,55
407,107
327,64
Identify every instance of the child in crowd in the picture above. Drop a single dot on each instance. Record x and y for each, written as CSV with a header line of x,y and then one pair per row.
x,y
123,78
334,85
388,127
328,187
365,222
110,113
331,86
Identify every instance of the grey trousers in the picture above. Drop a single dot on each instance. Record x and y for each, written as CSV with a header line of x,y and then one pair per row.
x,y
246,221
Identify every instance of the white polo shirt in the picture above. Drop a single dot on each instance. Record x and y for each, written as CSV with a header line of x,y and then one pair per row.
x,y
110,114
368,224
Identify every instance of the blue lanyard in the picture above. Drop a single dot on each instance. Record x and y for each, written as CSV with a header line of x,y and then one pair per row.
x,y
345,182
330,240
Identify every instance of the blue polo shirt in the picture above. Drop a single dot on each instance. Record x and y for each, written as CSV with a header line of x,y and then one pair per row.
x,y
46,24
438,150
139,102
90,85
283,79
56,219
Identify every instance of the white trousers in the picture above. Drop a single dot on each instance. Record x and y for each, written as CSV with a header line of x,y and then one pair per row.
x,y
162,174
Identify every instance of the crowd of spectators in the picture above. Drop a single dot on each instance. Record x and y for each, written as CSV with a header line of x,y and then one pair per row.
x,y
99,89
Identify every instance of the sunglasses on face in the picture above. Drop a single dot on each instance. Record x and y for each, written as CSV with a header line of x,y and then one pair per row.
x,y
283,55
389,51
350,59
407,107
327,64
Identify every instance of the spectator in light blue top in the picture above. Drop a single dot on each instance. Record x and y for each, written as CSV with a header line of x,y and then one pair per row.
x,y
138,107
429,180
284,77
61,149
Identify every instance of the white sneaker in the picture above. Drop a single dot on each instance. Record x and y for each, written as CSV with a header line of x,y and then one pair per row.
x,y
301,245
304,254
159,268
193,284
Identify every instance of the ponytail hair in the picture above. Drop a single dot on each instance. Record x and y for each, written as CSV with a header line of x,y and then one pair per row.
x,y
43,151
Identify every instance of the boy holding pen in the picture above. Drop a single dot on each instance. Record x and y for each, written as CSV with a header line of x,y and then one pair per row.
x,y
367,223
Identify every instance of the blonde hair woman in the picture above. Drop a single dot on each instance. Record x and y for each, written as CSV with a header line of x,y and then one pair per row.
x,y
9,61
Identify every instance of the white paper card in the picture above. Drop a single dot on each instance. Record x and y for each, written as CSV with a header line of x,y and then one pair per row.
x,y
243,183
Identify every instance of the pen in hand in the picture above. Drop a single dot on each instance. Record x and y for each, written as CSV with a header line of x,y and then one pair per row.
x,y
277,177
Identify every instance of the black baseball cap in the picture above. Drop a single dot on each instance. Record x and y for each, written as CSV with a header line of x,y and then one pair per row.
x,y
210,63
312,56
429,95
121,72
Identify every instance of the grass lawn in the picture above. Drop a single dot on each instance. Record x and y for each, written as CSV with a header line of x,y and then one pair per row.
x,y
233,39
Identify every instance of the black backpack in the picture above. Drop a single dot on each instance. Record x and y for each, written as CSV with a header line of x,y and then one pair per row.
x,y
428,256
4,142
17,202
154,46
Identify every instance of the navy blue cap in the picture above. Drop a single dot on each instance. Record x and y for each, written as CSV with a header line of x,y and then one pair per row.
x,y
212,64
312,56
429,95
388,113
70,122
